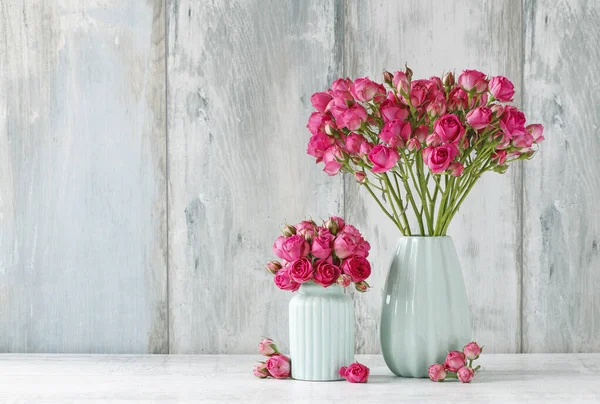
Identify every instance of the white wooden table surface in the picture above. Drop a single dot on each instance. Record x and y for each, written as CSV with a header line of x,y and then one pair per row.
x,y
572,378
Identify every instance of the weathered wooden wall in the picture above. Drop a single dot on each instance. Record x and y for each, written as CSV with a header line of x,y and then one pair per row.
x,y
150,151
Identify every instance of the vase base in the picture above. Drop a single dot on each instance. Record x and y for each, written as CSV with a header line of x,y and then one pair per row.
x,y
318,380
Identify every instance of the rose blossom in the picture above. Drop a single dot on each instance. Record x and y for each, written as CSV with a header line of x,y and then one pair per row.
x,y
353,117
320,101
421,133
523,140
322,246
391,110
454,361
479,118
395,133
449,128
357,267
536,130
458,99
279,366
502,89
301,270
291,248
472,351
413,144
353,142
438,159
365,90
360,176
260,370
284,282
326,273
344,280
341,85
365,148
331,159
306,229
383,158
401,82
436,372
418,91
437,103
318,144
355,373
465,374
456,169
318,121
267,347
349,241
500,156
473,79
512,122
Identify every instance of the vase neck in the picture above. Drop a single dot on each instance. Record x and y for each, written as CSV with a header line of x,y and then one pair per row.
x,y
316,289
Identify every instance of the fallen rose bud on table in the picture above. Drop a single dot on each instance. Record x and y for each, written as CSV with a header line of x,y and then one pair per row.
x,y
355,373
455,366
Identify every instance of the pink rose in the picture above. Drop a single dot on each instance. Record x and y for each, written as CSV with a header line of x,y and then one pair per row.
x,y
502,89
267,347
437,103
353,117
479,118
335,224
499,156
355,373
512,122
365,90
522,140
284,282
401,82
318,144
365,148
332,158
536,130
326,273
391,110
318,121
395,133
436,372
472,351
421,133
360,177
465,374
454,361
438,159
456,169
383,158
279,366
320,101
433,140
418,91
349,241
273,267
301,270
344,280
353,142
458,99
341,85
291,248
413,144
260,370
322,246
473,79
449,128
306,229
357,267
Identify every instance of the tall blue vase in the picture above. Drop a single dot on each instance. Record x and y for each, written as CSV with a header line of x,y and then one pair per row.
x,y
425,310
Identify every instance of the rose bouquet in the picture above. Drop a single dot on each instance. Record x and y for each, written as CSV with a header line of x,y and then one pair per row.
x,y
421,143
334,252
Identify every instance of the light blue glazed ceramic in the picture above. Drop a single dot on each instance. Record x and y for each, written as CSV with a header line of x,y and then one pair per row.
x,y
425,310
321,332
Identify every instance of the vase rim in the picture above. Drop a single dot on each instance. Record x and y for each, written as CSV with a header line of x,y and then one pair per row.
x,y
427,237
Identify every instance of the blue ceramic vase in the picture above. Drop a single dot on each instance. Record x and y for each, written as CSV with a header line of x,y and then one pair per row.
x,y
425,310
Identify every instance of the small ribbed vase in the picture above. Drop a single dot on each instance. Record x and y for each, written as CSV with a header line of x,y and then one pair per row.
x,y
425,310
321,332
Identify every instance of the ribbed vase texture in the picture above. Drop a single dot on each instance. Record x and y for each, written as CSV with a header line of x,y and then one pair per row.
x,y
321,332
425,310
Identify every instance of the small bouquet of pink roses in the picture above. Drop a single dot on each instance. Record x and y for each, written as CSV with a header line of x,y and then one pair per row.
x,y
334,252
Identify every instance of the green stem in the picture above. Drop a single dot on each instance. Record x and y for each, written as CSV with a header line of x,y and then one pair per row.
x,y
409,194
398,225
398,199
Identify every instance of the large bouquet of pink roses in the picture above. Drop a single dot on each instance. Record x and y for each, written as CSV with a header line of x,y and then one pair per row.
x,y
334,252
420,143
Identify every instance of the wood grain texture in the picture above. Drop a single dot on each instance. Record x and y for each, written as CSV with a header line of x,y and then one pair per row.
x,y
431,37
240,77
82,184
205,379
562,187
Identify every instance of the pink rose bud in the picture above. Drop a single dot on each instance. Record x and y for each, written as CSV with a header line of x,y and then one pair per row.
x,y
355,373
339,222
360,177
279,366
502,89
273,267
536,130
388,77
361,286
454,361
320,101
465,374
433,140
472,351
344,280
456,169
267,347
408,71
401,82
413,144
473,80
448,79
260,370
288,230
421,133
436,372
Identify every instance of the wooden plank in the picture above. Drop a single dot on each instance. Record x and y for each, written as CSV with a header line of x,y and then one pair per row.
x,y
562,226
228,378
82,184
433,36
240,77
